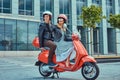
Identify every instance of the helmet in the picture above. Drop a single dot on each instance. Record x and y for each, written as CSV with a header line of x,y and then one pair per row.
x,y
63,16
47,12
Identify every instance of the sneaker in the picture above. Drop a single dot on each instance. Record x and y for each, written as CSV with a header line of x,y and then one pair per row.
x,y
51,64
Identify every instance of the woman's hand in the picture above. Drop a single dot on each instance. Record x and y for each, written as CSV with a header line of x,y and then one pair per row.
x,y
65,26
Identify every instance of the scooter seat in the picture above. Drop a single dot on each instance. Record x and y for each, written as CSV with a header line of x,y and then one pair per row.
x,y
46,48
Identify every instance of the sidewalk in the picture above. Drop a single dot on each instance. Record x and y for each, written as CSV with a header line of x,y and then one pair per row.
x,y
107,58
99,58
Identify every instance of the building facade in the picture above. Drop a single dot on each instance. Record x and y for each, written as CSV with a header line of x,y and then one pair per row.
x,y
20,19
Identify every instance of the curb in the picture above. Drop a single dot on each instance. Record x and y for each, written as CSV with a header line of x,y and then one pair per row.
x,y
107,59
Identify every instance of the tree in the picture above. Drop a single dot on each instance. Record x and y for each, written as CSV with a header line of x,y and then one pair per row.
x,y
114,20
91,16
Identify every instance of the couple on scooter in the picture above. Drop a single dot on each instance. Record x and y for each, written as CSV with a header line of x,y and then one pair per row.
x,y
48,33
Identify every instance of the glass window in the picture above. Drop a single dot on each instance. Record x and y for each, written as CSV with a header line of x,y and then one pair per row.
x,y
81,0
7,34
1,29
0,3
1,34
10,33
32,33
65,8
119,5
5,6
96,2
26,7
17,34
79,5
109,2
45,5
22,35
109,8
48,6
21,4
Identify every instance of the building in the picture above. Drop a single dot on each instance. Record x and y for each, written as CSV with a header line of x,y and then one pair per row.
x,y
19,21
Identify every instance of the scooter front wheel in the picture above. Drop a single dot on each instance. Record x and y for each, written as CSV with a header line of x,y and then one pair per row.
x,y
90,71
43,70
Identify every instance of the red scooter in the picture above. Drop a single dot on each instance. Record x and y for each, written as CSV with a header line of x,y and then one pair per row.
x,y
90,70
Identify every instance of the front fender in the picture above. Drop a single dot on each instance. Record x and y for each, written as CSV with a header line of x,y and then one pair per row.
x,y
88,59
83,60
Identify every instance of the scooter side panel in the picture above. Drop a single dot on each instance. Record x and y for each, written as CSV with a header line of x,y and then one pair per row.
x,y
43,56
80,52
83,60
81,55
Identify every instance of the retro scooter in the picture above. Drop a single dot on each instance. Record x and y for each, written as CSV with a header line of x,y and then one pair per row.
x,y
81,60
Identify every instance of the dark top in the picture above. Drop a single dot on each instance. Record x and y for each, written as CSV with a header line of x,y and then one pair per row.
x,y
48,32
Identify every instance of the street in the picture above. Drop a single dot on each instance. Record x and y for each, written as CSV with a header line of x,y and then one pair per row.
x,y
22,68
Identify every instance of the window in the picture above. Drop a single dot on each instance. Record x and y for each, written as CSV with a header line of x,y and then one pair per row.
x,y
17,34
26,7
79,5
5,6
119,5
65,8
96,2
32,32
109,7
22,37
6,33
109,2
81,0
45,5
109,10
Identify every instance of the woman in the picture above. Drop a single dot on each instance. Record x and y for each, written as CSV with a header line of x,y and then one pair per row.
x,y
62,45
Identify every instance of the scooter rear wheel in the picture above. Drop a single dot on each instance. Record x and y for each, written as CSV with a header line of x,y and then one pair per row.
x,y
90,71
42,70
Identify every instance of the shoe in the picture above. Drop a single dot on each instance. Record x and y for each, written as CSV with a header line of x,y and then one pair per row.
x,y
51,64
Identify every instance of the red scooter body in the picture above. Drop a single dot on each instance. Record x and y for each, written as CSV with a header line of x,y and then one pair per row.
x,y
80,59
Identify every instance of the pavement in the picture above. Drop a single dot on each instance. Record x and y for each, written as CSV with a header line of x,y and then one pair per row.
x,y
22,68
99,58
107,58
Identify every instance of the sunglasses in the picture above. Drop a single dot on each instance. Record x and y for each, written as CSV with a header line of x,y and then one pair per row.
x,y
60,19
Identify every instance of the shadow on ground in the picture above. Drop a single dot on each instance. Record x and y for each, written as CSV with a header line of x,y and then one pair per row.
x,y
49,78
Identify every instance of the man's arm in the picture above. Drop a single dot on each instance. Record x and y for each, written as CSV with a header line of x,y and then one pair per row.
x,y
40,35
57,34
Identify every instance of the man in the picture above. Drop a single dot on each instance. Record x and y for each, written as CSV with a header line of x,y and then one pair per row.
x,y
46,35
